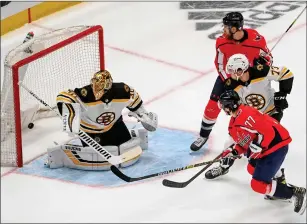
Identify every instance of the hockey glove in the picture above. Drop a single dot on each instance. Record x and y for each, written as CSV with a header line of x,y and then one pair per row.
x,y
228,157
255,150
280,101
260,61
149,120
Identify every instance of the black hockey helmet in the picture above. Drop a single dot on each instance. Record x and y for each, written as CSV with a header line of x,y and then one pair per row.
x,y
234,19
229,99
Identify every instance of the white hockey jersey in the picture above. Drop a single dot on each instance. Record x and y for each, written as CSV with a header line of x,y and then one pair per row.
x,y
98,116
258,92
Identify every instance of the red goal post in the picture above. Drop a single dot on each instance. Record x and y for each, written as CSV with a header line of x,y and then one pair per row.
x,y
59,60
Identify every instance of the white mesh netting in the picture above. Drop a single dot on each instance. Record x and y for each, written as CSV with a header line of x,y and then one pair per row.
x,y
65,68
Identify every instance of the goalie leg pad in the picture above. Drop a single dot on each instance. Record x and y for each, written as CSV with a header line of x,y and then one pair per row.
x,y
78,157
127,146
56,157
141,133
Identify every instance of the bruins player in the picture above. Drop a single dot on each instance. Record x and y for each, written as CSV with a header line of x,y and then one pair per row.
x,y
253,85
100,116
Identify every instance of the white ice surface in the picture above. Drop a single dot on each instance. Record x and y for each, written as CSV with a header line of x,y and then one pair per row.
x,y
160,31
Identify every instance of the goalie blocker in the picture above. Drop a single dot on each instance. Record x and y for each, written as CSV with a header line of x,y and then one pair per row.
x,y
96,109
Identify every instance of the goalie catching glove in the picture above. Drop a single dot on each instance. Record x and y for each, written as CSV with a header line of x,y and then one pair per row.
x,y
149,120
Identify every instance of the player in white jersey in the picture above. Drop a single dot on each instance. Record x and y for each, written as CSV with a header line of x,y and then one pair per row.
x,y
100,105
253,84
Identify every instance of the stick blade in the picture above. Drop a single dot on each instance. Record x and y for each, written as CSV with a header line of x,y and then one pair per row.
x,y
173,184
121,175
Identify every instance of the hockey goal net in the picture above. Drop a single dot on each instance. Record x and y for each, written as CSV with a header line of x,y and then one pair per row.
x,y
48,64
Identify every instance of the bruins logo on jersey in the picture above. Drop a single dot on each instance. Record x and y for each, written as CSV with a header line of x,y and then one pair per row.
x,y
228,82
84,92
255,100
106,118
260,67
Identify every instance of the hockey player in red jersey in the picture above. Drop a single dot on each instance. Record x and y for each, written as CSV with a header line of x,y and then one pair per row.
x,y
261,137
254,86
234,40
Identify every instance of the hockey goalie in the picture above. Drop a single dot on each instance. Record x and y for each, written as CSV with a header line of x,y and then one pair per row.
x,y
97,110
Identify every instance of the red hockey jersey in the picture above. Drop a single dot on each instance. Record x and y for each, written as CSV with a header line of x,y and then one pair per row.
x,y
252,46
250,124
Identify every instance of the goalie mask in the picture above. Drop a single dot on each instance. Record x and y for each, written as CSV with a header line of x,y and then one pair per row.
x,y
101,82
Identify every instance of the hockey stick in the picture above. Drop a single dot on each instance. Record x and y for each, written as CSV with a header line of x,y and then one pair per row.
x,y
126,178
174,184
288,28
114,160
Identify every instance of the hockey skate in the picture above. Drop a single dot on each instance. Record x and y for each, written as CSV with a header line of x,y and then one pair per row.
x,y
29,36
216,172
281,180
198,143
299,196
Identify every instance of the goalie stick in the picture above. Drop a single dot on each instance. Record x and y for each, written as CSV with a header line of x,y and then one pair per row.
x,y
114,160
126,178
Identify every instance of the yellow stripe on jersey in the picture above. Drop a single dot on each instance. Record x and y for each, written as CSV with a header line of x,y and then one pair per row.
x,y
71,115
66,97
61,99
89,128
257,80
238,88
285,74
269,109
136,99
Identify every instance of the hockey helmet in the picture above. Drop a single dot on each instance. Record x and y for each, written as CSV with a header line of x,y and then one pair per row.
x,y
229,101
237,64
234,19
101,82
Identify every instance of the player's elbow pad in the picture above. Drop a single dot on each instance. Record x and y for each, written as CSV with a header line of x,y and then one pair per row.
x,y
285,86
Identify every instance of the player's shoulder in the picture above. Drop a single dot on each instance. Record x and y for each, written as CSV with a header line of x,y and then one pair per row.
x,y
254,35
68,96
244,112
121,90
231,84
222,40
252,32
259,71
85,94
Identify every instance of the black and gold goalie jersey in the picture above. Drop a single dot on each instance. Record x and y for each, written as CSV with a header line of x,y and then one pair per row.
x,y
98,116
258,92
